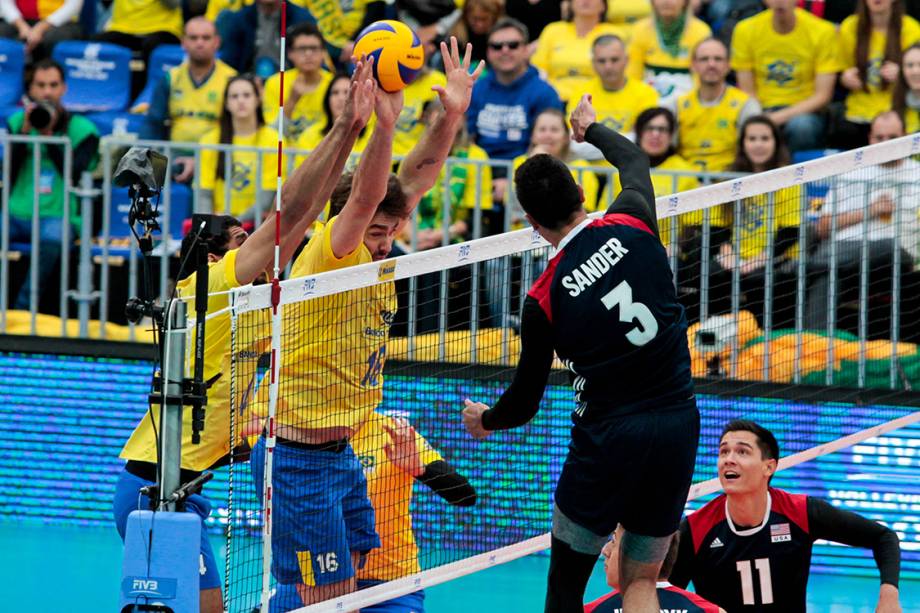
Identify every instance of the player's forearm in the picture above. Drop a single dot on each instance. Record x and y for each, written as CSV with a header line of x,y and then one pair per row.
x,y
446,482
421,168
631,162
373,170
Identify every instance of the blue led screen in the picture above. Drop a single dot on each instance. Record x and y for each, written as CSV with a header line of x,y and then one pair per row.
x,y
65,418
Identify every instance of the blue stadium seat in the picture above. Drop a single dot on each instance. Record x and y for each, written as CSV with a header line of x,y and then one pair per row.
x,y
180,208
98,75
117,123
161,60
12,66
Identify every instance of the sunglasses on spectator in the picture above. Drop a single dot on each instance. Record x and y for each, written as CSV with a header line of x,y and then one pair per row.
x,y
510,44
660,129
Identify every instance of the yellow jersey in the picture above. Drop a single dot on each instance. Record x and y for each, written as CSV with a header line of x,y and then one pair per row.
x,y
309,109
565,57
708,133
758,221
244,170
618,109
409,126
785,65
863,105
628,11
140,17
911,120
335,346
649,62
586,178
664,184
215,438
215,7
390,491
338,24
194,110
462,186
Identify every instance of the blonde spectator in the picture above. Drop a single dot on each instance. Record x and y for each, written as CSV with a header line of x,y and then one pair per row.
x,y
870,54
907,92
659,51
563,51
242,125
475,23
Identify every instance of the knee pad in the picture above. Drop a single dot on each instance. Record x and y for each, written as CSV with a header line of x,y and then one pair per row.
x,y
645,549
574,535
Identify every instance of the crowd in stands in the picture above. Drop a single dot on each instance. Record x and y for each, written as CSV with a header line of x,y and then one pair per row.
x,y
705,86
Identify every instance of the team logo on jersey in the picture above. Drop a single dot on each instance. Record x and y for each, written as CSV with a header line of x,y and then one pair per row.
x,y
368,462
780,533
780,72
716,543
388,317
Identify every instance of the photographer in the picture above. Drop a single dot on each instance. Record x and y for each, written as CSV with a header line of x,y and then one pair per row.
x,y
45,116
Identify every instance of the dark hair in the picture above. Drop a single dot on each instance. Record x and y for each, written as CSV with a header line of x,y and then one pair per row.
x,y
899,101
546,190
327,107
769,448
864,34
217,244
393,203
510,22
645,118
667,565
44,64
602,16
304,28
226,120
780,155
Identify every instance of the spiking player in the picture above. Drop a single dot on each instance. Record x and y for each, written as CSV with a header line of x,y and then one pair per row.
x,y
749,550
331,372
606,305
237,260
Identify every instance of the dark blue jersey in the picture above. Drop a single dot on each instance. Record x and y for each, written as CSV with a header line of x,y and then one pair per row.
x,y
670,598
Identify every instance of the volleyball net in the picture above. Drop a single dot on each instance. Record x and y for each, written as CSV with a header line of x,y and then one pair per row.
x,y
799,290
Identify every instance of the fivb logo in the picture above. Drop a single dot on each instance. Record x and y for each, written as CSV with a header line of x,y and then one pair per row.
x,y
915,144
464,252
149,587
309,286
535,237
858,158
798,174
736,188
673,201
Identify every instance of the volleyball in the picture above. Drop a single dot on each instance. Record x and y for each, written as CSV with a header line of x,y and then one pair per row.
x,y
397,51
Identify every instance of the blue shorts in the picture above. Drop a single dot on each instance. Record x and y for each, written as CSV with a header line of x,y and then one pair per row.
x,y
287,599
320,512
128,498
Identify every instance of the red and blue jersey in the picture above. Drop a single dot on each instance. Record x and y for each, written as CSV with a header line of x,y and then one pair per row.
x,y
671,599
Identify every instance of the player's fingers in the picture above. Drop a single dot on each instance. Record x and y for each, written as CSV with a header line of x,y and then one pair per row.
x,y
479,69
468,402
454,51
445,57
467,56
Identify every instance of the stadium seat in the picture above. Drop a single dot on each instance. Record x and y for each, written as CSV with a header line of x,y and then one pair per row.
x,y
161,60
117,123
98,75
12,65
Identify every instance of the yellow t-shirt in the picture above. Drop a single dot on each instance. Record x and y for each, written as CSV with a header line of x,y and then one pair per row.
x,y
862,106
194,110
339,25
665,184
649,62
911,120
215,438
757,224
586,178
215,7
785,65
245,165
140,17
566,58
618,110
335,346
309,109
462,185
628,11
708,135
390,491
409,127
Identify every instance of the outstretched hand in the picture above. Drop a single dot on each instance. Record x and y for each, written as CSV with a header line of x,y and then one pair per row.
x,y
360,103
455,98
472,419
388,106
402,449
582,117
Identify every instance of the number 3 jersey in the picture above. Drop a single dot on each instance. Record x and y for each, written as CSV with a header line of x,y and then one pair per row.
x,y
765,568
616,323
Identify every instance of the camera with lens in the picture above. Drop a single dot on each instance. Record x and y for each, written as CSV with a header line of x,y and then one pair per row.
x,y
42,115
715,336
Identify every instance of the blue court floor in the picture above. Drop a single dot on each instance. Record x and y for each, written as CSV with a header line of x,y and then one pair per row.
x,y
45,569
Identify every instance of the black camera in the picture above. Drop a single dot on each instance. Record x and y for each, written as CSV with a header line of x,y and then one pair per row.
x,y
143,169
42,115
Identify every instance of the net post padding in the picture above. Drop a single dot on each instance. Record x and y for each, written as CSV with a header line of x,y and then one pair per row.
x,y
454,570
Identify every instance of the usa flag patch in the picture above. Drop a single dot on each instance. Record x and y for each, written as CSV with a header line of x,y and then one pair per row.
x,y
780,533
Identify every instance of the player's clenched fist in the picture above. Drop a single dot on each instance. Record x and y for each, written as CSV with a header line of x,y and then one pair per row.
x,y
472,419
582,117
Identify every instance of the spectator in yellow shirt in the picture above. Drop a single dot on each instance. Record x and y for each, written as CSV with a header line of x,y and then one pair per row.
x,y
710,116
787,58
334,99
659,51
617,99
907,92
563,50
870,55
250,178
304,85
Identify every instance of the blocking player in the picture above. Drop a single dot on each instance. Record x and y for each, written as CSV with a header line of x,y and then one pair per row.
x,y
235,260
672,598
607,306
750,548
331,371
394,456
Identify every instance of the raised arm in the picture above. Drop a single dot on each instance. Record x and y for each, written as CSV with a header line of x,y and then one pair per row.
x,y
421,168
307,190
